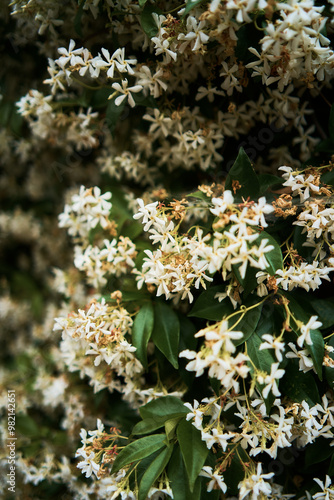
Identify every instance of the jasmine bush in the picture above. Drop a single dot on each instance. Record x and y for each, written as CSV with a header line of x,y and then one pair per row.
x,y
167,245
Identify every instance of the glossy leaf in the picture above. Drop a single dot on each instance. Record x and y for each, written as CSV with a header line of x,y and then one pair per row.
x,y
177,475
317,348
207,307
138,449
142,331
263,360
243,172
166,407
166,332
154,471
147,21
194,450
299,386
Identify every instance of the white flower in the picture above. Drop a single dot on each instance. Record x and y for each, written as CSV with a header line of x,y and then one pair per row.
x,y
312,324
126,92
255,484
270,380
217,480
326,493
88,465
273,343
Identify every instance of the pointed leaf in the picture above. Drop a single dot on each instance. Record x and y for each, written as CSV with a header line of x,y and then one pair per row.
x,y
142,331
165,407
166,332
207,307
299,386
139,449
242,171
177,475
194,450
153,471
147,21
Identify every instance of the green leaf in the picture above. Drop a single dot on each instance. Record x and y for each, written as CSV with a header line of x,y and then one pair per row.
x,y
317,348
249,322
176,474
330,471
77,19
199,195
142,2
191,4
207,307
147,22
166,332
317,351
113,113
235,472
331,123
268,180
243,172
324,308
194,450
329,370
148,425
137,450
318,451
153,471
170,427
263,360
168,407
299,386
142,330
274,259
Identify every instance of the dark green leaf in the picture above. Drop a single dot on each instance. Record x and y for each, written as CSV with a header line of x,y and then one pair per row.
x,y
331,123
113,113
235,472
194,450
167,407
243,172
177,474
263,360
207,307
148,425
268,180
142,330
77,19
317,348
274,259
147,22
318,451
299,386
330,471
137,450
324,308
166,332
249,322
153,471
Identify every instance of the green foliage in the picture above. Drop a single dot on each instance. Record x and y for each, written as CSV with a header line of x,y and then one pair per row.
x,y
166,332
139,449
194,450
142,330
243,172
